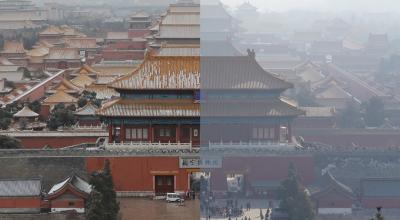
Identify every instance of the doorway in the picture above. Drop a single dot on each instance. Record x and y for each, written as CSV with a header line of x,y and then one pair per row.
x,y
164,184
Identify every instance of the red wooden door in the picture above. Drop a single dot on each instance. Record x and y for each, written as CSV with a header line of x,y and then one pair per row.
x,y
164,184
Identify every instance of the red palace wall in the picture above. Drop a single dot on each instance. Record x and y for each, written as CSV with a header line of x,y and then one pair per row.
x,y
334,200
20,202
55,142
385,202
65,203
136,173
262,168
122,55
138,33
128,45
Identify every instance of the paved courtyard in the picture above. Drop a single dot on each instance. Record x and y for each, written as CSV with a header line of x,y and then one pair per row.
x,y
147,209
253,213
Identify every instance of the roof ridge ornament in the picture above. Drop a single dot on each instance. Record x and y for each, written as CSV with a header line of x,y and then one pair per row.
x,y
251,53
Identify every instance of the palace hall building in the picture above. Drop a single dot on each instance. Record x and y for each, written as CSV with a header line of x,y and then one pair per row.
x,y
163,100
170,107
186,111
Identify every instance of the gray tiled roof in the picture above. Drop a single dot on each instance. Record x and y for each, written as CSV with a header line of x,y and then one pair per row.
x,y
238,72
130,108
27,187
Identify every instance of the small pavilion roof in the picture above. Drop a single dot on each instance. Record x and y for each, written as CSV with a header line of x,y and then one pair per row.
x,y
140,14
60,97
38,52
335,186
13,47
88,110
86,69
82,80
25,112
75,182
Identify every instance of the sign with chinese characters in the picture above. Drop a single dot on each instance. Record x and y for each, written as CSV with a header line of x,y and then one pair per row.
x,y
200,162
82,54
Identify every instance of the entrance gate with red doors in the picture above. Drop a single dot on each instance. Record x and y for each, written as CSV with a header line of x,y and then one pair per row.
x,y
164,184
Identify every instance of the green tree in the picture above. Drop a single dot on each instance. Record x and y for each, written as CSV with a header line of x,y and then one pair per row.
x,y
378,215
5,123
10,84
95,209
35,106
374,112
7,142
89,97
82,102
109,194
5,118
27,73
61,116
294,199
350,116
29,40
305,97
102,182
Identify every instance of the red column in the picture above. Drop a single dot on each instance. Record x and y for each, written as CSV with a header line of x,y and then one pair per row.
x,y
289,127
178,133
277,132
123,132
110,133
152,133
150,137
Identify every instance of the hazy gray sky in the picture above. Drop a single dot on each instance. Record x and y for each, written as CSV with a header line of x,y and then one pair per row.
x,y
324,5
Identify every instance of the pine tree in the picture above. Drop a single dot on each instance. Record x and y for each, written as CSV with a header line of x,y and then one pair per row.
x,y
61,116
374,112
95,206
7,142
102,182
109,195
294,200
378,215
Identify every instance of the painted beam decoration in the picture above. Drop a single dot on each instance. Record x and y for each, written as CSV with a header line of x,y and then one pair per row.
x,y
200,162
